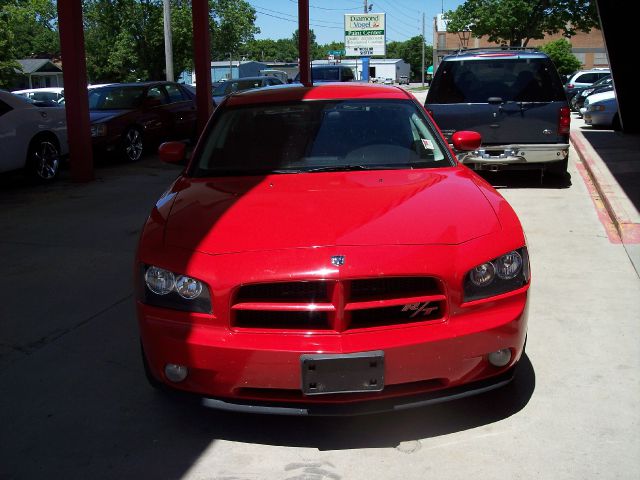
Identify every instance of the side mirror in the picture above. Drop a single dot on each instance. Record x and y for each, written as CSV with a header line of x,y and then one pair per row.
x,y
466,141
172,152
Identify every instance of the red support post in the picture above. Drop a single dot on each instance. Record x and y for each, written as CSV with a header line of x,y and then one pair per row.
x,y
74,71
303,42
202,60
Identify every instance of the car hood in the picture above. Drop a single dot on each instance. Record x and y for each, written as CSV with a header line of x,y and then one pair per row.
x,y
391,207
104,115
602,97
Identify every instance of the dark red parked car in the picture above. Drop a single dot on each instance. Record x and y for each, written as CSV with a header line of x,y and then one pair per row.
x,y
325,253
128,118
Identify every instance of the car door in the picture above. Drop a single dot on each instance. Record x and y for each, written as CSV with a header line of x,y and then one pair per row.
x,y
155,116
183,111
13,151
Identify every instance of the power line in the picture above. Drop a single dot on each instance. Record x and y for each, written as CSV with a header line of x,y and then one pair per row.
x,y
296,21
331,9
294,16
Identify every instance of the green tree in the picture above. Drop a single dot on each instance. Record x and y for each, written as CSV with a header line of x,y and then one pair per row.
x,y
232,26
8,64
33,26
560,53
515,22
124,39
411,52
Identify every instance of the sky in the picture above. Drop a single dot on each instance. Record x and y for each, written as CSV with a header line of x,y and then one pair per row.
x,y
279,18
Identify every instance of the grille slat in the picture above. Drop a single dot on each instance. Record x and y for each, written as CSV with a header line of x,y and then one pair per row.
x,y
370,303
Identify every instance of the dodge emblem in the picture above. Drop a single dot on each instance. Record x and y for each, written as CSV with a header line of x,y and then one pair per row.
x,y
337,260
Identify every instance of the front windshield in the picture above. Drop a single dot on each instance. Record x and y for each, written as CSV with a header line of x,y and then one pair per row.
x,y
314,136
115,98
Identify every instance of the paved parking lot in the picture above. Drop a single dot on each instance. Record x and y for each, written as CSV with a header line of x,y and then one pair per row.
x,y
75,404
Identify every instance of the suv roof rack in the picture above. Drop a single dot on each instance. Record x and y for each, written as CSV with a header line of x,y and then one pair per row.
x,y
498,48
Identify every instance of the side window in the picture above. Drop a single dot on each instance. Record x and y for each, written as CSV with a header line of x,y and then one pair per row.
x,y
587,78
4,108
157,93
175,94
347,74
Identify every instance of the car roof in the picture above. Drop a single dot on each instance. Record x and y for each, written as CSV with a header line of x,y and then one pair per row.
x,y
330,66
135,84
493,53
44,90
324,91
259,77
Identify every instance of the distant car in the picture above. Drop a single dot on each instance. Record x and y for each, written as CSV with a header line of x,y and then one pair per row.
x,y
388,81
603,85
54,95
601,110
583,79
325,253
221,91
33,137
404,80
329,73
127,118
514,99
279,74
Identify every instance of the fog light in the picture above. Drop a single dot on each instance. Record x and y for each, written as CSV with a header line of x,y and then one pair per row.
x,y
500,358
175,373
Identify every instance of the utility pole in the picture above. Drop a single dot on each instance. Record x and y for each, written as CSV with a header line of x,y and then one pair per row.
x,y
168,47
422,49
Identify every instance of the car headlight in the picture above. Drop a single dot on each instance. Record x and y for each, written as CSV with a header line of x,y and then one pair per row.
x,y
99,130
163,288
596,108
502,274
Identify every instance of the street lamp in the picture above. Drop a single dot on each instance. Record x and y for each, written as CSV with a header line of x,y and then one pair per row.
x,y
464,35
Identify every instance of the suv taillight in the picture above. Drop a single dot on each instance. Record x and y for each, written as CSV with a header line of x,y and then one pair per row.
x,y
570,86
564,121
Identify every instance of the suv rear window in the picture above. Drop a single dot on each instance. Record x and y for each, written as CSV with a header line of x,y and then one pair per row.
x,y
475,81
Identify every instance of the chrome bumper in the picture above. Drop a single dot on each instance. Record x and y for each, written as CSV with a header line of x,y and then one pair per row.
x,y
516,154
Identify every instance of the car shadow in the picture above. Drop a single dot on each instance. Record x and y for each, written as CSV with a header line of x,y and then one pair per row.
x,y
385,430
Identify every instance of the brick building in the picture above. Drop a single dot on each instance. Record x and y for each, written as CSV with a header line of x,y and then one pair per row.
x,y
588,47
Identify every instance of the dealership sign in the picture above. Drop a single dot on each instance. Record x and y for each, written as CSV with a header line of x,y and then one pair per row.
x,y
364,34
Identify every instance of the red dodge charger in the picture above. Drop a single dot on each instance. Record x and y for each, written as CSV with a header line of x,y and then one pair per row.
x,y
325,253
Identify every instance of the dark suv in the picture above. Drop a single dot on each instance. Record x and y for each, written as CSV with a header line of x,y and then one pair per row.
x,y
513,98
329,73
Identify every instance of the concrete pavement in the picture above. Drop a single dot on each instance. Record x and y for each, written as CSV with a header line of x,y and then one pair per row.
x,y
612,161
74,402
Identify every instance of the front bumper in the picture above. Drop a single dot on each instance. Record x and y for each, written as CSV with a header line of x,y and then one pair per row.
x,y
515,155
604,118
261,372
364,408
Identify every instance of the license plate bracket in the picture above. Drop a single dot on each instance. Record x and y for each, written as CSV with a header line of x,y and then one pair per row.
x,y
346,373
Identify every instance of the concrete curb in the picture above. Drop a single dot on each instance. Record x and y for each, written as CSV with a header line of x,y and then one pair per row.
x,y
624,215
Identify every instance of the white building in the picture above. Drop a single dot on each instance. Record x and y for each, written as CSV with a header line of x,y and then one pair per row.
x,y
378,67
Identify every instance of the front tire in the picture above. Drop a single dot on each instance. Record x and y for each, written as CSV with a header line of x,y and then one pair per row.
x,y
132,145
43,159
616,125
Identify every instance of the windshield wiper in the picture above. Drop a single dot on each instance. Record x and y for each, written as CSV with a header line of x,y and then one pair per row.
x,y
343,168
